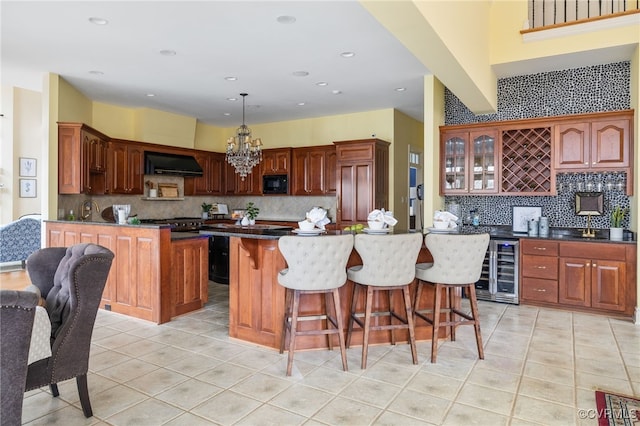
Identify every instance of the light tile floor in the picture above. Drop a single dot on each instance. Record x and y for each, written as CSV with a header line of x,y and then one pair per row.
x,y
541,366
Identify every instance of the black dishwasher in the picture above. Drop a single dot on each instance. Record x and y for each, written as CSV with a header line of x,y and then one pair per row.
x,y
219,259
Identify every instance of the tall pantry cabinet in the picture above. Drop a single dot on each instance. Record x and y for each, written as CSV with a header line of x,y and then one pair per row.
x,y
363,179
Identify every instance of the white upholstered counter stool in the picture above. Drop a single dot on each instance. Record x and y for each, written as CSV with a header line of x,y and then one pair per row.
x,y
457,263
315,264
389,263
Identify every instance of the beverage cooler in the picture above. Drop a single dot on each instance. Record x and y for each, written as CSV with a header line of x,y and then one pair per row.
x,y
499,279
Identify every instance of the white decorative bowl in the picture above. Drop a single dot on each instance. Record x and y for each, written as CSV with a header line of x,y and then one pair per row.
x,y
305,225
441,225
375,224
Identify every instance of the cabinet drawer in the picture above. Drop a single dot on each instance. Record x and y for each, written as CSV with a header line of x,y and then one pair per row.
x,y
601,251
540,290
540,267
539,247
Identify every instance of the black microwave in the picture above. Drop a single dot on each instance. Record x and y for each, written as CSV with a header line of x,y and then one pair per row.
x,y
275,184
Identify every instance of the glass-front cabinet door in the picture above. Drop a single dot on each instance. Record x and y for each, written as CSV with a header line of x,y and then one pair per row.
x,y
454,149
468,162
483,168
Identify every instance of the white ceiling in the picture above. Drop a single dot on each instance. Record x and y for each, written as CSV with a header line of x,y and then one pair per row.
x,y
214,40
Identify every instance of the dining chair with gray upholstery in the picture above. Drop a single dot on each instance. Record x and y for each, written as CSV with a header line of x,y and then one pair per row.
x,y
457,263
388,264
315,264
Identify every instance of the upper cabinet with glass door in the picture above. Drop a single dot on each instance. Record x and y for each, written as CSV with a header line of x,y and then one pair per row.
x,y
469,160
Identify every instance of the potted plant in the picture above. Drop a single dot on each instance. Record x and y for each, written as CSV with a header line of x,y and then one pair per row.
x,y
252,213
617,216
205,210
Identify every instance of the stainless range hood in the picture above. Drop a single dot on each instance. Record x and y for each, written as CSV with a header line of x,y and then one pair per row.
x,y
171,164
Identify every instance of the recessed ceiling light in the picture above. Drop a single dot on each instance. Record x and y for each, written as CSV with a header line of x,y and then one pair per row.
x,y
285,19
231,78
232,99
150,95
347,54
322,83
300,73
227,114
336,92
98,21
301,103
96,72
400,89
168,52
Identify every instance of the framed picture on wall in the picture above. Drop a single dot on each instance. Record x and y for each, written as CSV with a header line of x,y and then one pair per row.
x,y
522,215
28,167
28,188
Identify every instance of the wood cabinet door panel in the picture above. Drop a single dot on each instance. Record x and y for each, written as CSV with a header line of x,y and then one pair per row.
x,y
545,267
118,165
135,164
610,144
69,160
299,172
608,283
364,192
331,169
189,261
574,281
539,290
572,145
315,176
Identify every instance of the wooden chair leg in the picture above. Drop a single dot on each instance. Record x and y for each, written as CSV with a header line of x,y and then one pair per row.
x,y
436,322
476,319
287,314
416,302
54,389
390,301
367,325
83,392
451,312
338,311
327,323
352,313
294,328
409,316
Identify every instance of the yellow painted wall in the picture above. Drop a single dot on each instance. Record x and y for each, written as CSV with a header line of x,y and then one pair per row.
x,y
27,142
507,44
433,119
211,138
407,132
114,121
73,105
164,128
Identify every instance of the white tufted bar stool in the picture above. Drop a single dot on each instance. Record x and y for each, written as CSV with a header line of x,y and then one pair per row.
x,y
457,263
389,263
314,265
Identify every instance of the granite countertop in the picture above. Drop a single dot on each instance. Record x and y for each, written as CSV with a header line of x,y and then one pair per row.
x,y
560,234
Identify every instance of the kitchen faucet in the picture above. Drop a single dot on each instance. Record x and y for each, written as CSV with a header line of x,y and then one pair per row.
x,y
86,207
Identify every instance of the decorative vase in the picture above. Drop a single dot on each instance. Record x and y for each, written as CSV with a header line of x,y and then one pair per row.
x,y
615,234
205,215
245,221
252,221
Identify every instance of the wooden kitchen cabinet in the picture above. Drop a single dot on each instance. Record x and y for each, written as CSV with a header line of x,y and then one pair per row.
x,y
125,172
539,270
189,275
526,164
596,144
363,179
212,180
590,276
469,161
82,159
234,185
276,161
314,170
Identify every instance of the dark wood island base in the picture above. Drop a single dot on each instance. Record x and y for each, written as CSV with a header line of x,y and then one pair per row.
x,y
256,300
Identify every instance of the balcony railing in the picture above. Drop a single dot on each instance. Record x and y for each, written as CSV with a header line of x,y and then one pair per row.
x,y
546,13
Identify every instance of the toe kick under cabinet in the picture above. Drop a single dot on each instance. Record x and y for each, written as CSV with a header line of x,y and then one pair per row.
x,y
588,276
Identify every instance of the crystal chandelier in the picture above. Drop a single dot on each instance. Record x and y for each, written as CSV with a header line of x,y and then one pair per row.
x,y
243,153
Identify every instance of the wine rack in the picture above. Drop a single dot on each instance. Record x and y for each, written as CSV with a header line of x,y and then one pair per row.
x,y
526,161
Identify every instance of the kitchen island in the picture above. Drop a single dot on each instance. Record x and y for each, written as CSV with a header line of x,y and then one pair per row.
x,y
256,300
155,275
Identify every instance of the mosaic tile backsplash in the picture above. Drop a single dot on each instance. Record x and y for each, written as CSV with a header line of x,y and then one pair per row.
x,y
574,91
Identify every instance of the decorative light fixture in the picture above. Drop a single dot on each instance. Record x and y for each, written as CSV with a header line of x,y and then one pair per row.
x,y
244,153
